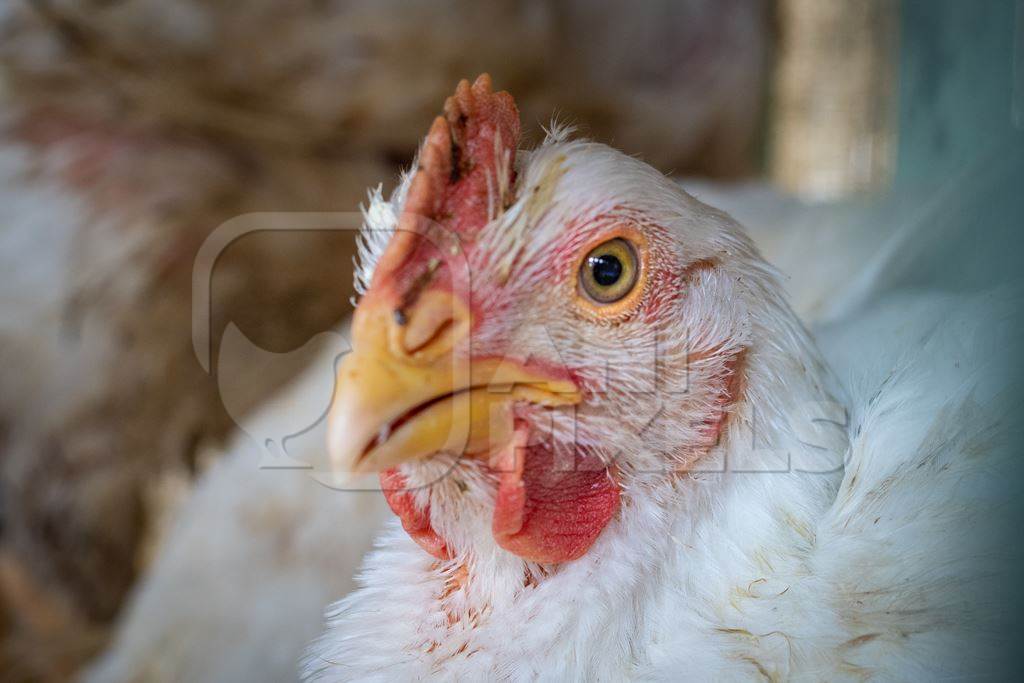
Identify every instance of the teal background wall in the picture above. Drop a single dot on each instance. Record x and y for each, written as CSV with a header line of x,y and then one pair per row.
x,y
960,149
956,84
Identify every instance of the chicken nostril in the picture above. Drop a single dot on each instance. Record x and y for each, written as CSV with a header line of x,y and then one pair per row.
x,y
418,342
430,326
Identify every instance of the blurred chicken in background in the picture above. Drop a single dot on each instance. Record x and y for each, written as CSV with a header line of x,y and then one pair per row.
x,y
130,130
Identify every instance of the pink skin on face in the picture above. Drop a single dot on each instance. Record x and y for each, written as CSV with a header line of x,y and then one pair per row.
x,y
549,507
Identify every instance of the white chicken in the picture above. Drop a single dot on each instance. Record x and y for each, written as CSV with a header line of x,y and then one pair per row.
x,y
239,586
615,452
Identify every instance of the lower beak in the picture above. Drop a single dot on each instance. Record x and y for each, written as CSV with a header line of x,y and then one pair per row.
x,y
391,408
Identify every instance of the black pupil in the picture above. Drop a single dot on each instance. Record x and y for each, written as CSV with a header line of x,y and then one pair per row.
x,y
607,269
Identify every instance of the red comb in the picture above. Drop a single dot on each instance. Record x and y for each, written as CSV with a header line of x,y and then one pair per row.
x,y
464,158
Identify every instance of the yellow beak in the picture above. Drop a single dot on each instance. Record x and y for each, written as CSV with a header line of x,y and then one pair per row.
x,y
408,390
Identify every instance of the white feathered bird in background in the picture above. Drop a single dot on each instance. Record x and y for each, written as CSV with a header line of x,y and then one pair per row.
x,y
656,474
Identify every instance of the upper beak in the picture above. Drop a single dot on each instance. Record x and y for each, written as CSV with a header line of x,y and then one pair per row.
x,y
409,389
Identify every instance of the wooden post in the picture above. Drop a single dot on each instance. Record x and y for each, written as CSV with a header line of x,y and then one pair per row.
x,y
832,125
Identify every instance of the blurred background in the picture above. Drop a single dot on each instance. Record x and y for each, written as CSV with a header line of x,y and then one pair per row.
x,y
131,129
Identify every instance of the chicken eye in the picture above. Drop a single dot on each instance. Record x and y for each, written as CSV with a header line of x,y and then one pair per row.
x,y
609,272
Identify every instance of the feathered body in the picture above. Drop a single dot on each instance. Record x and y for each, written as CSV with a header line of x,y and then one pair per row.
x,y
822,529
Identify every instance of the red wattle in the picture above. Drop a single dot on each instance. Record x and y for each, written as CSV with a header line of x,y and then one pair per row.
x,y
549,511
545,510
415,521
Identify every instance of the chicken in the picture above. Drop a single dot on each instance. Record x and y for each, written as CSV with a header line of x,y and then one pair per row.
x,y
130,130
614,452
